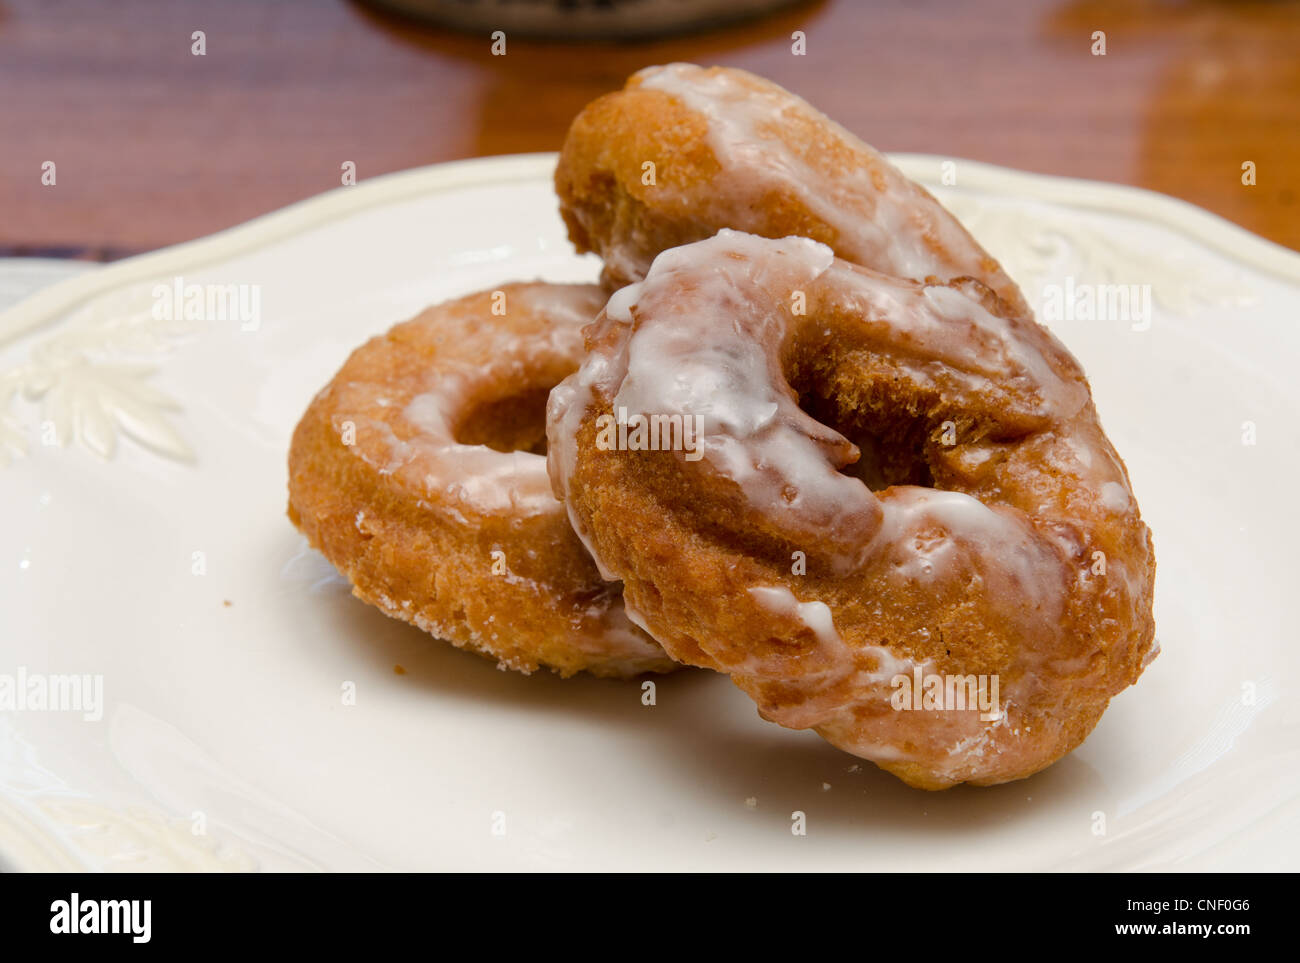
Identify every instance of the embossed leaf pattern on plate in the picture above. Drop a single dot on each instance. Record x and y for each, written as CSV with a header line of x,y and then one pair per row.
x,y
90,381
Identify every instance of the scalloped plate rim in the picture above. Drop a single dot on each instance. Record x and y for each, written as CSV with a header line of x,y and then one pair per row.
x,y
1201,225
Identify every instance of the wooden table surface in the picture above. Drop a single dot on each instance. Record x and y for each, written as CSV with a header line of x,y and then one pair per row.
x,y
153,145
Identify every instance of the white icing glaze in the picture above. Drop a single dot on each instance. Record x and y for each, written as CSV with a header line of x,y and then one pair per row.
x,y
399,404
881,733
711,318
702,335
1115,496
477,478
864,718
618,640
816,615
619,307
926,534
565,408
707,349
921,326
1151,653
880,218
865,666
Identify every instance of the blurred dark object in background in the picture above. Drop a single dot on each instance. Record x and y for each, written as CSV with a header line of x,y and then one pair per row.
x,y
582,19
156,145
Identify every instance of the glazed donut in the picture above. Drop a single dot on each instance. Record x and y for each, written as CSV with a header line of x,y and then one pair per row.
x,y
417,472
887,480
732,150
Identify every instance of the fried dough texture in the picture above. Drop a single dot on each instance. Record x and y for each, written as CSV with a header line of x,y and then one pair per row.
x,y
417,471
880,481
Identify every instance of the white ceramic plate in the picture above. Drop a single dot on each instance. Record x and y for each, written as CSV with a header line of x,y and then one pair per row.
x,y
225,742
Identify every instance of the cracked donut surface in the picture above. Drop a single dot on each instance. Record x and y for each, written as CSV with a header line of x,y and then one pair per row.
x,y
417,471
892,478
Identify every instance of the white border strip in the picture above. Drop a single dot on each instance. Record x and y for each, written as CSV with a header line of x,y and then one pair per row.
x,y
53,302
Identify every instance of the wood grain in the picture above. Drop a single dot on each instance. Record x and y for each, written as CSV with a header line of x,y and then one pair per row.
x,y
154,145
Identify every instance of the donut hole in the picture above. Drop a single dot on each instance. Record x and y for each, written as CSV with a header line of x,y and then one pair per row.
x,y
514,423
892,442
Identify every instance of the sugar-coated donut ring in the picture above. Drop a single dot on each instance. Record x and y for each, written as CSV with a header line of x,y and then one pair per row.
x,y
412,472
683,151
995,537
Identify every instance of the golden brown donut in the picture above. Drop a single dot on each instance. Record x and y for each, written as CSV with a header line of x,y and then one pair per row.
x,y
416,471
888,482
732,150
